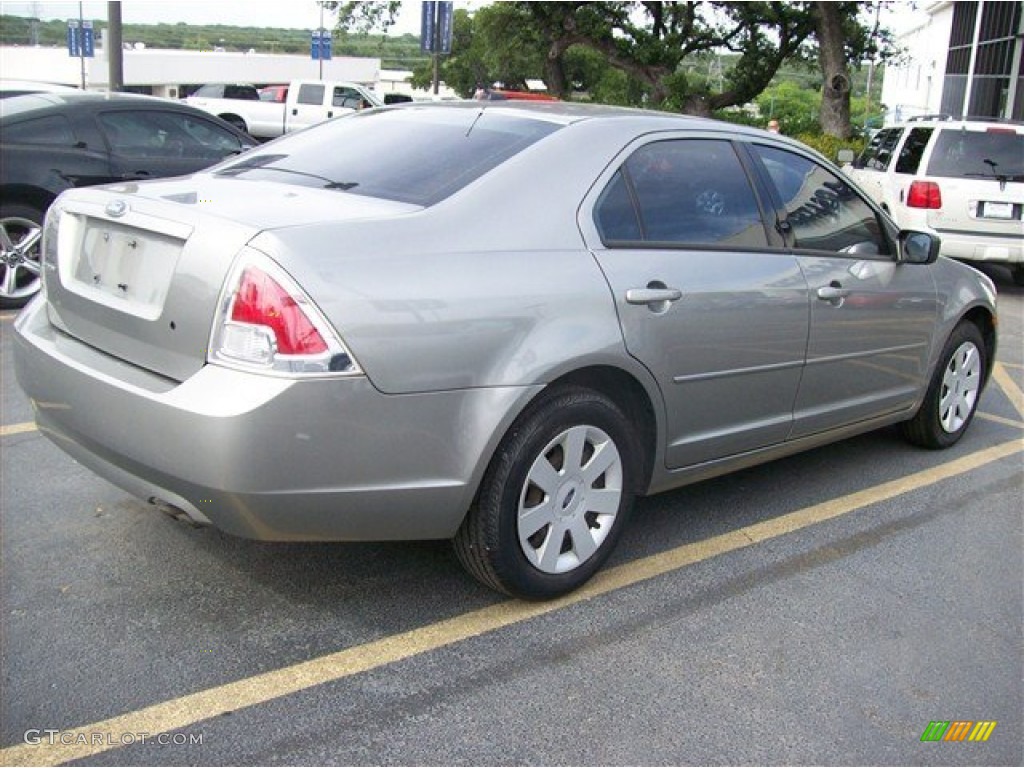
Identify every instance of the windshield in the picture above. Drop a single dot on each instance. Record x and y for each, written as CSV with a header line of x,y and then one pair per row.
x,y
407,154
994,154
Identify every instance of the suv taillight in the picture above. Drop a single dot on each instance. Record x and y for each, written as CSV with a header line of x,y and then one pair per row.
x,y
265,322
924,194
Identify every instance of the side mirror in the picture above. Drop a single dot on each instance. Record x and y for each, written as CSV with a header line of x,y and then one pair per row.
x,y
918,247
845,156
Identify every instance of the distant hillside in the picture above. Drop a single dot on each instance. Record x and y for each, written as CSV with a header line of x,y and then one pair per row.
x,y
394,52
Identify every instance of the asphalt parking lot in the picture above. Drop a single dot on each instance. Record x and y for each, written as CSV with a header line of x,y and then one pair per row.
x,y
822,609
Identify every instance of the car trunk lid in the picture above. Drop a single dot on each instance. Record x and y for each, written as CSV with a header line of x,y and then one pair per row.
x,y
137,271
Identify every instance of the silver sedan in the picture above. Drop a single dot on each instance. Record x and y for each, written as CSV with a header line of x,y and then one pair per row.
x,y
494,323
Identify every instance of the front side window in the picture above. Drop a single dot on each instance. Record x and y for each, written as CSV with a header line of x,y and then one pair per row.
x,y
683,192
822,210
878,153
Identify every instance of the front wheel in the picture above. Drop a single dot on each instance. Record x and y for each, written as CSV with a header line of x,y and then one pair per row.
x,y
555,498
952,397
21,234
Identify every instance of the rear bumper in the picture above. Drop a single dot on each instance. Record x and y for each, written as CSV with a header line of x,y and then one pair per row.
x,y
987,248
262,457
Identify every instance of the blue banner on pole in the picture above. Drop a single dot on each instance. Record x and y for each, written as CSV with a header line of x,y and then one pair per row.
x,y
445,18
427,21
320,45
81,39
436,26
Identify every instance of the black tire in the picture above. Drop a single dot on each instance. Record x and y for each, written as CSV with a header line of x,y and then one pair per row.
x,y
1017,274
20,266
953,393
235,121
589,503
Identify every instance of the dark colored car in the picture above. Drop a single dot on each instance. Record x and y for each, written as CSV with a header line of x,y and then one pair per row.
x,y
51,142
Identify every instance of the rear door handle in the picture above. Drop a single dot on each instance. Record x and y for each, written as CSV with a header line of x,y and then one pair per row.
x,y
655,298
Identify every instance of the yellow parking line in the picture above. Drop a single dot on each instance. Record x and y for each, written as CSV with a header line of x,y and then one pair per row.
x,y
191,709
1001,420
17,429
1010,387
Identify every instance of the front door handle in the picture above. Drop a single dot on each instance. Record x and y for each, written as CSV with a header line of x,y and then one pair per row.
x,y
834,293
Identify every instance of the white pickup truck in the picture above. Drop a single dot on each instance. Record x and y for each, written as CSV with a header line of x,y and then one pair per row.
x,y
308,102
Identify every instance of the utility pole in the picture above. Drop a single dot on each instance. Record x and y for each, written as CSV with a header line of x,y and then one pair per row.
x,y
115,47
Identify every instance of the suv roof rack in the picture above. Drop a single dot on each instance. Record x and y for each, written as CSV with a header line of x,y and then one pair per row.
x,y
942,116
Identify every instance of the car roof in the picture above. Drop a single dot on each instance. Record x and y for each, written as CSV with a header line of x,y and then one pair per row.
x,y
42,102
569,112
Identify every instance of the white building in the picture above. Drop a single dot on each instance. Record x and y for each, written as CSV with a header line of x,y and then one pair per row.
x,y
965,59
166,72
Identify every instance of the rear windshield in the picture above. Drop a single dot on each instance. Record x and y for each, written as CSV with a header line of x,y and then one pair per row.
x,y
406,154
962,154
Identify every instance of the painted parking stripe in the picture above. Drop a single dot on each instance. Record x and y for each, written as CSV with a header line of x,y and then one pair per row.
x,y
191,709
1010,388
17,429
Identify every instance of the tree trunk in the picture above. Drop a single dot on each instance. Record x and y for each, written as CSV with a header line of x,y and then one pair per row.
x,y
835,89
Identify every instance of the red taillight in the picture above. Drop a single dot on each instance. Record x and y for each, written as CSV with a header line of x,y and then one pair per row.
x,y
261,301
924,194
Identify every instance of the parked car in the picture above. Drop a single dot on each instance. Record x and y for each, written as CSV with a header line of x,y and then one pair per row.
x,y
277,94
305,103
960,179
497,324
52,142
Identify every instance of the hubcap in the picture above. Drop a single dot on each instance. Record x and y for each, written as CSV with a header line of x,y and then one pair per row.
x,y
961,382
19,257
570,499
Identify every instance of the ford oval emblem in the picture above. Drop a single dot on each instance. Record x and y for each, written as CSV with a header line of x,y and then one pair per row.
x,y
117,208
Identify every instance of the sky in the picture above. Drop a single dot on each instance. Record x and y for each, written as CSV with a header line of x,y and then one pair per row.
x,y
297,14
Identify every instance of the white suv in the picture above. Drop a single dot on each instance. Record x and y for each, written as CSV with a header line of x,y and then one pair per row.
x,y
961,179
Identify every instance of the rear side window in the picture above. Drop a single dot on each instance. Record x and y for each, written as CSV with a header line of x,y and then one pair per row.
x,y
962,154
155,133
54,130
407,155
878,153
311,93
683,192
910,155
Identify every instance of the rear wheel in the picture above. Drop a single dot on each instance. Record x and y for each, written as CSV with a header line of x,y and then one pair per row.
x,y
952,397
21,234
555,498
236,121
1017,273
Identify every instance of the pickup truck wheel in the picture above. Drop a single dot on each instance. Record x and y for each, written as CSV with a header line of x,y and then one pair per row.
x,y
21,234
236,121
